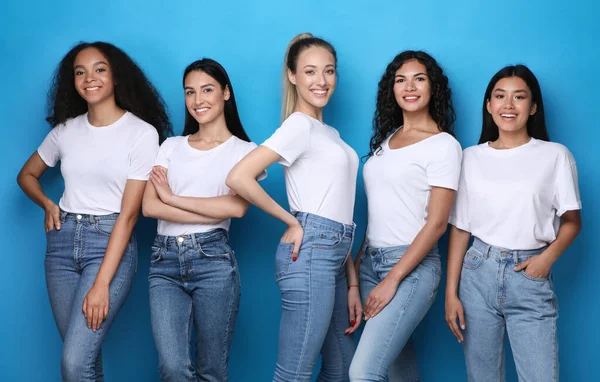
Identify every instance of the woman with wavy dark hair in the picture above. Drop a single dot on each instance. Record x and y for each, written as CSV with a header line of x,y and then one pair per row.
x,y
518,197
193,273
107,120
410,179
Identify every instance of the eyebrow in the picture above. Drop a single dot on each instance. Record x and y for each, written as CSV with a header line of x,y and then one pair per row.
x,y
314,66
516,91
96,63
414,75
201,87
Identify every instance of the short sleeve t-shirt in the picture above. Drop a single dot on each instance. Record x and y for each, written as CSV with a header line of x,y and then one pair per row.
x,y
320,168
514,198
199,173
96,162
398,185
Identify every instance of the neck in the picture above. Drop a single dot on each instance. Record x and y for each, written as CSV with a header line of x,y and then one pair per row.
x,y
419,120
213,131
104,113
511,139
310,110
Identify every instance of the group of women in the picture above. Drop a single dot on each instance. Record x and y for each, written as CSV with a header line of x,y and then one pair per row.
x,y
516,193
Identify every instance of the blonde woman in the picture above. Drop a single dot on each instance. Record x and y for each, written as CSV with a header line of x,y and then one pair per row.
x,y
319,288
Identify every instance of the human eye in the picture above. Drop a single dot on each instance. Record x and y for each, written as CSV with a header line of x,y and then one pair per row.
x,y
207,90
499,96
189,92
310,72
79,72
330,71
399,80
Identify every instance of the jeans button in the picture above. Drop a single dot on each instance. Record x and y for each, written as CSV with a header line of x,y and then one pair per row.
x,y
79,217
180,239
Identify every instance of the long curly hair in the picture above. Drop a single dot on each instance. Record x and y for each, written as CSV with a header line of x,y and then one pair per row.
x,y
232,117
388,115
536,124
133,91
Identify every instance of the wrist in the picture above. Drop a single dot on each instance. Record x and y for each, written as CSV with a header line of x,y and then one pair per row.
x,y
353,286
549,257
48,204
101,282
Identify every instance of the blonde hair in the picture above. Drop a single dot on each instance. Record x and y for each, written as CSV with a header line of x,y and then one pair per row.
x,y
290,97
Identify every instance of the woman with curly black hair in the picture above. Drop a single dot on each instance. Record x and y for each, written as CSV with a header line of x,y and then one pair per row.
x,y
410,179
107,120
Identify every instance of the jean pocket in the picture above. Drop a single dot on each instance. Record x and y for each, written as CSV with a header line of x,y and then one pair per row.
x,y
220,250
283,257
326,239
105,227
157,254
536,279
473,259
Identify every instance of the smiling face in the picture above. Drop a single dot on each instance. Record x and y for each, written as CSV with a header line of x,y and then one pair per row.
x,y
204,97
93,76
412,88
315,77
511,104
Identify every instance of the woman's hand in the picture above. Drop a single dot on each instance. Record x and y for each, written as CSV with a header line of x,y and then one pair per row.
x,y
380,297
52,219
536,266
294,235
354,308
454,311
159,179
95,305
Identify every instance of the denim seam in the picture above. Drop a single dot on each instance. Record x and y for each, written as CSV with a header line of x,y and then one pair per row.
x,y
308,320
404,308
226,338
501,358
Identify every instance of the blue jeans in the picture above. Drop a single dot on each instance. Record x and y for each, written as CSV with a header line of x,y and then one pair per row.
x,y
385,348
314,298
73,258
496,299
193,279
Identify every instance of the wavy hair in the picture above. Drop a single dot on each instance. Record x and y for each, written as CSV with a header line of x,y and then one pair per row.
x,y
133,90
536,123
232,117
388,114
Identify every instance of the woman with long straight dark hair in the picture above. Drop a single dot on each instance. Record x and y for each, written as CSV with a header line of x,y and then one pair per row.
x,y
107,120
518,197
194,276
410,180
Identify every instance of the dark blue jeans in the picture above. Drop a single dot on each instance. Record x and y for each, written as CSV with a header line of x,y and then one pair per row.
x,y
193,279
73,258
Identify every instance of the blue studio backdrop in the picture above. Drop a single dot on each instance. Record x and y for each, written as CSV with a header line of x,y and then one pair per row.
x,y
471,40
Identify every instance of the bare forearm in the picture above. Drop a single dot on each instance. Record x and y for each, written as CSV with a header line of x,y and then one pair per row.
x,y
158,210
359,256
418,249
117,244
457,247
249,189
219,207
567,233
32,188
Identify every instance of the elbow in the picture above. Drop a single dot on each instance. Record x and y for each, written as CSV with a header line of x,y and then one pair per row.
x,y
240,211
439,228
147,210
233,180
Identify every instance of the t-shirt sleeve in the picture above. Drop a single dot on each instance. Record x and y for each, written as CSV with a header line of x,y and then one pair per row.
x,y
291,140
566,191
48,150
444,169
247,149
142,156
459,216
165,150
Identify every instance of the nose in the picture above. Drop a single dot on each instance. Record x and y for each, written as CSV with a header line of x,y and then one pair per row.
x,y
321,80
90,76
198,98
410,85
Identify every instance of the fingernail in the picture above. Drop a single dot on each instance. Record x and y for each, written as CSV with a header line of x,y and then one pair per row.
x,y
463,327
352,322
294,258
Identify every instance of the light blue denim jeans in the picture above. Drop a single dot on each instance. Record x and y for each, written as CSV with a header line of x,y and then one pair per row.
x,y
314,298
73,258
497,300
194,283
385,348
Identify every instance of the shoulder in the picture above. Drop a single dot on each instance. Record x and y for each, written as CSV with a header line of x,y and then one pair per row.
x,y
554,150
474,151
141,127
297,120
173,142
241,146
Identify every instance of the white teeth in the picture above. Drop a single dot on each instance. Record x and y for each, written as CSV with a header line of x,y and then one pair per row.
x,y
94,88
508,115
411,98
319,91
201,110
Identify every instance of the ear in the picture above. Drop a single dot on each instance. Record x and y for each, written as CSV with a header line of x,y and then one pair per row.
x,y
291,77
226,93
533,109
488,106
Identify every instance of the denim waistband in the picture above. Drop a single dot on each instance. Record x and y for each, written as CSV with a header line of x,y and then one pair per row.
x,y
372,251
64,216
194,239
308,220
497,253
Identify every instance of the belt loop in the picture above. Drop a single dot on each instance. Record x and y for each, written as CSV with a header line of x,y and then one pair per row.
x,y
516,257
486,250
93,219
194,241
303,219
165,241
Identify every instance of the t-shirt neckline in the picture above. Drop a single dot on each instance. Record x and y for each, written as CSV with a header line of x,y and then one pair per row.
x,y
107,127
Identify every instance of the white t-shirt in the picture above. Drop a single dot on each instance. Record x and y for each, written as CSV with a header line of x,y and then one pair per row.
x,y
320,168
513,198
96,162
200,174
398,186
